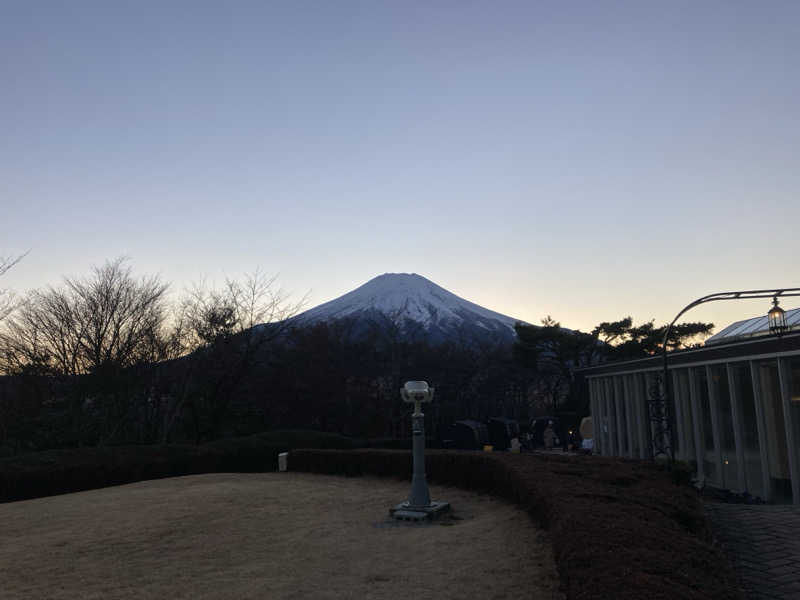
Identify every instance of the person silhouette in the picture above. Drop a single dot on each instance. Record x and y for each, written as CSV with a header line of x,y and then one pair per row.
x,y
549,436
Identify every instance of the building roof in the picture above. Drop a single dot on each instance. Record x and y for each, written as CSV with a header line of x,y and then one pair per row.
x,y
754,348
754,327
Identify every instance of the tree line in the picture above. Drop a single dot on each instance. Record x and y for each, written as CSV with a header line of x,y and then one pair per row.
x,y
551,353
110,359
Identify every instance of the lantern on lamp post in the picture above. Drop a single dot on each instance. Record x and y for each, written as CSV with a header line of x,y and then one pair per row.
x,y
777,318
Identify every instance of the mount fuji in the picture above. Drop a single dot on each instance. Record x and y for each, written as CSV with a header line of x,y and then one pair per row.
x,y
417,307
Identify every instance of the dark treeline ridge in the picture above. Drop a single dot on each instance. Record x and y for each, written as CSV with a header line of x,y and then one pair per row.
x,y
110,359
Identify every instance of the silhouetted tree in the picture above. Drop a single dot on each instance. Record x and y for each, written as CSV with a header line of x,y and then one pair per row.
x,y
226,333
96,336
623,341
7,297
552,353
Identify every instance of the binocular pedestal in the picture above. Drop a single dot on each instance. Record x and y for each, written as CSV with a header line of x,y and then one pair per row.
x,y
418,507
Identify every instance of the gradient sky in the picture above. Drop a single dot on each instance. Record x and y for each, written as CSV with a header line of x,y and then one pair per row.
x,y
587,160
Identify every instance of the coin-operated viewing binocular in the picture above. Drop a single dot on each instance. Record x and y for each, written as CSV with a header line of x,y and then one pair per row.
x,y
418,507
416,392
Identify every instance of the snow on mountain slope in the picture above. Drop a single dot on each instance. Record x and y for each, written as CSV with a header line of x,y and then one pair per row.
x,y
412,300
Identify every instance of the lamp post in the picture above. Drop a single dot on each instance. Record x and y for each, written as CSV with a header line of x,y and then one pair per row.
x,y
661,414
419,506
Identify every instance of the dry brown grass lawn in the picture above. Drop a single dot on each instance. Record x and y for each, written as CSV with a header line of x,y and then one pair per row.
x,y
273,535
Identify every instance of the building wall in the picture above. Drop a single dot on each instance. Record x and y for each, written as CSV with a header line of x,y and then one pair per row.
x,y
737,422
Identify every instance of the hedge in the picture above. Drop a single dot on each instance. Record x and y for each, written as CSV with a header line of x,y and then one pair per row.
x,y
621,529
77,469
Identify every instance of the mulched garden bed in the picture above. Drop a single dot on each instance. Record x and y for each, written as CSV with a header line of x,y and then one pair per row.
x,y
621,529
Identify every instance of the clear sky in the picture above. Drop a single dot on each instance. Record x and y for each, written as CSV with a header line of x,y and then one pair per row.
x,y
586,160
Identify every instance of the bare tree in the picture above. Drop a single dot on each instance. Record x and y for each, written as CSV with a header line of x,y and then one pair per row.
x,y
225,333
107,320
7,297
91,333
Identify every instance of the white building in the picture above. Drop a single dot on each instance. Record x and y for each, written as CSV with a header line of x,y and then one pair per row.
x,y
736,406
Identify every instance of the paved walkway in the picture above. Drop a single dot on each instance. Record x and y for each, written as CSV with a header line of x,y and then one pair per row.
x,y
763,543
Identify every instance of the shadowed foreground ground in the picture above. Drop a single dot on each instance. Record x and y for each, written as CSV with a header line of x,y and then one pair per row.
x,y
274,535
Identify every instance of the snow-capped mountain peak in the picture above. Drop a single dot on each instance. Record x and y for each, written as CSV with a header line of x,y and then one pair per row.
x,y
408,299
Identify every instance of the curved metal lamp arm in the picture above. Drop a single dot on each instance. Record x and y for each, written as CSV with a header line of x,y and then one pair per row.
x,y
776,293
743,295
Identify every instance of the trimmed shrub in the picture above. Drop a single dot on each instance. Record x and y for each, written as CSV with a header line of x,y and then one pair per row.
x,y
259,452
621,529
72,470
397,443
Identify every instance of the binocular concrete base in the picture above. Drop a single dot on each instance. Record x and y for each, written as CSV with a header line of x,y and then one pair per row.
x,y
406,512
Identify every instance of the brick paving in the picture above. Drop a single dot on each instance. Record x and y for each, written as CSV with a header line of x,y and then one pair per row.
x,y
763,544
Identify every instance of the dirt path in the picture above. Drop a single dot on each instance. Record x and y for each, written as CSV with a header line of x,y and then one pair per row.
x,y
273,535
